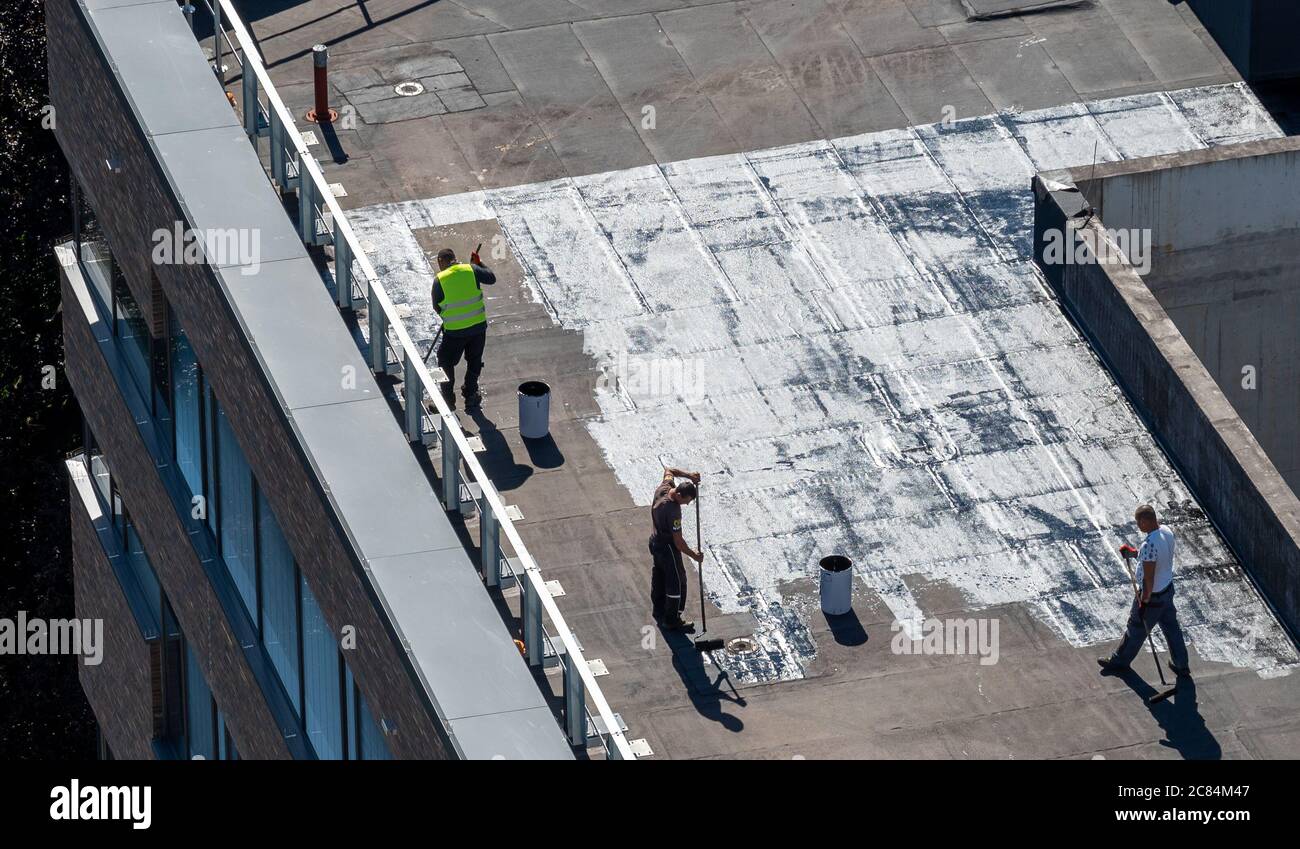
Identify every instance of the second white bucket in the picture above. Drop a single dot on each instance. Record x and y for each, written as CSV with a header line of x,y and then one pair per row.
x,y
534,409
836,585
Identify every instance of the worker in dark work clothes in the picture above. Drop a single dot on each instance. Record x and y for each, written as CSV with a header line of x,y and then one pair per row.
x,y
458,298
667,545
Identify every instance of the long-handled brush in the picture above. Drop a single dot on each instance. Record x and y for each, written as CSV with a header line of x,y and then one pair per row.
x,y
702,642
1169,691
434,346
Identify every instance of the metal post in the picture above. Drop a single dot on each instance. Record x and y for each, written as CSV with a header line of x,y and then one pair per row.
x,y
450,470
306,203
188,10
217,32
378,333
250,104
342,271
575,703
413,390
532,616
279,167
490,545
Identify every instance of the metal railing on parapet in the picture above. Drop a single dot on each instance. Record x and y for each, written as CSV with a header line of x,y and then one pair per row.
x,y
321,222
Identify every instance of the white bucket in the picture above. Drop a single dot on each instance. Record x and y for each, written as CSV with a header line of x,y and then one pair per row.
x,y
534,409
836,585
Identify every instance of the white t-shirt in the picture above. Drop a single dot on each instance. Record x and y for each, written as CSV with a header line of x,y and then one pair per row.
x,y
1159,547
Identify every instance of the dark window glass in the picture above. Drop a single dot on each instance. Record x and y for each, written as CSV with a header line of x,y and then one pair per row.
x,y
198,703
235,494
187,410
321,681
279,600
171,687
209,407
92,251
138,563
130,328
372,746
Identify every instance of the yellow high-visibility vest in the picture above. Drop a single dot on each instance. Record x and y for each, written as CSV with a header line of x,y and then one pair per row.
x,y
462,300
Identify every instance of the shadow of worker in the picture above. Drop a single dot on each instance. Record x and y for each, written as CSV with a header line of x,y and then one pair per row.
x,y
497,458
1179,717
706,691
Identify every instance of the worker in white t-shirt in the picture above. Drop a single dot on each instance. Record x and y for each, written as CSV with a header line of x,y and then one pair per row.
x,y
1154,604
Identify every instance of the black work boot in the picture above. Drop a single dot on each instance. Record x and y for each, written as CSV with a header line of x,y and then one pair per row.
x,y
679,624
1110,667
473,399
449,395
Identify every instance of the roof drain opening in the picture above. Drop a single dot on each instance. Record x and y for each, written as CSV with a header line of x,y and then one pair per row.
x,y
409,89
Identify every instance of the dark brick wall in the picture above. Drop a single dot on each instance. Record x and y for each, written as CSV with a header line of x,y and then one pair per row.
x,y
93,125
131,206
118,688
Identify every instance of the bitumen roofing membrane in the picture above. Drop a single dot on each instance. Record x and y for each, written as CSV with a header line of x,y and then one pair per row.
x,y
829,308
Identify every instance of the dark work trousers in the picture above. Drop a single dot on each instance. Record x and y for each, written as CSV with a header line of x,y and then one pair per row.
x,y
449,354
667,581
1159,611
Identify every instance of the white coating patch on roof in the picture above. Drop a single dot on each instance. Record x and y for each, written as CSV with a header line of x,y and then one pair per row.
x,y
884,373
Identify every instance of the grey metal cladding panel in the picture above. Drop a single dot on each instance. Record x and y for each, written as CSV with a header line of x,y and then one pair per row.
x,y
465,654
522,735
223,188
96,5
296,329
379,488
161,67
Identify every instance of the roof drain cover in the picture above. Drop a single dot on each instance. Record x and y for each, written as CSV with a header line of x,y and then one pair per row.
x,y
741,645
409,89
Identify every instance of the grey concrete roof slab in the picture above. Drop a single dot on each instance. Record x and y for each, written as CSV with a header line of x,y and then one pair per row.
x,y
221,186
155,55
280,307
522,735
380,492
455,648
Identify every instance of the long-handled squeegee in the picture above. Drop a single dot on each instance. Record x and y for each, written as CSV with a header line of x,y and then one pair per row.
x,y
702,642
1169,691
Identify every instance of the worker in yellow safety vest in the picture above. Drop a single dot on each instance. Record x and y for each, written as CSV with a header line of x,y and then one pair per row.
x,y
458,298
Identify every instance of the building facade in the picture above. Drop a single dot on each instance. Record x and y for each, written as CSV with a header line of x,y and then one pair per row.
x,y
276,576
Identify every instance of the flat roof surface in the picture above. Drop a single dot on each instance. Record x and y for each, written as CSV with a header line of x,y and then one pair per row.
x,y
857,352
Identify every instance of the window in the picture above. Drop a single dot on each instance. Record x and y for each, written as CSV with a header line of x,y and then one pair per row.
x,y
199,711
138,563
187,410
169,682
235,509
130,327
370,738
92,249
322,684
279,601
